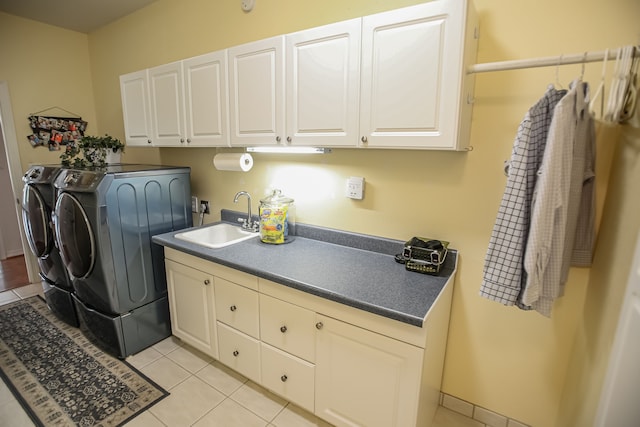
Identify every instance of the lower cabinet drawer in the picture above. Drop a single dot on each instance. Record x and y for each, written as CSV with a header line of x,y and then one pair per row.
x,y
288,376
239,351
288,327
237,306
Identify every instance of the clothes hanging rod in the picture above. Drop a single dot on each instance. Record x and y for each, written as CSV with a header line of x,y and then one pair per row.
x,y
549,61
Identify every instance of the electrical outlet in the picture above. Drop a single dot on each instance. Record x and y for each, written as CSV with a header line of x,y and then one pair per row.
x,y
195,207
204,204
355,187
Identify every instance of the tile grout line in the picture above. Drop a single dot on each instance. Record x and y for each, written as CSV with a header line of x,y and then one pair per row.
x,y
456,404
226,397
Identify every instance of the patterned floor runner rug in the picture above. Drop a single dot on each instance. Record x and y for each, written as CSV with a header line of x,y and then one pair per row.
x,y
60,378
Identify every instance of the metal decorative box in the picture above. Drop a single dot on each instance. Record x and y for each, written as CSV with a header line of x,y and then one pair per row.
x,y
424,255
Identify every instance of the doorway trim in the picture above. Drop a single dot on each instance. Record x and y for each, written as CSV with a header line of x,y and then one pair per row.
x,y
15,172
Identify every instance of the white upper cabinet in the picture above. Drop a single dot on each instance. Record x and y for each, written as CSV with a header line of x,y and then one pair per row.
x,y
393,80
256,92
189,102
136,109
298,89
414,89
206,100
323,85
167,105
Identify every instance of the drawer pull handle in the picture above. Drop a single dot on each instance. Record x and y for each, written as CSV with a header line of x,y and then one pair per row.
x,y
283,329
235,353
283,378
206,281
233,308
319,325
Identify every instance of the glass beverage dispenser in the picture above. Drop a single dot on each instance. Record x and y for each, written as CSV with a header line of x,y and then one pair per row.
x,y
277,218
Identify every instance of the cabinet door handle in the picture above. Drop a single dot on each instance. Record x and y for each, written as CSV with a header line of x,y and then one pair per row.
x,y
233,308
363,139
181,140
319,325
206,281
278,139
283,378
148,141
235,353
289,139
188,140
283,329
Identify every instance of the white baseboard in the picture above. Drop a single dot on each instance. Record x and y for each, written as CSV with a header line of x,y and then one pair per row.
x,y
15,252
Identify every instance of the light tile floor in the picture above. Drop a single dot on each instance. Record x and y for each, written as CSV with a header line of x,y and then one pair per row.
x,y
203,392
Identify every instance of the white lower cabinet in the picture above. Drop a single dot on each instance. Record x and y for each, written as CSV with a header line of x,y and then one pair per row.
x,y
288,327
288,376
239,351
237,307
363,378
330,359
192,307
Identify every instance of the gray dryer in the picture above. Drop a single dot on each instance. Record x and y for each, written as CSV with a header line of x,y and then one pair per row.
x,y
104,220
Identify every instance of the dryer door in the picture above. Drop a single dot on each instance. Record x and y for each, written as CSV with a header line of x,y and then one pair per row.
x,y
35,218
74,236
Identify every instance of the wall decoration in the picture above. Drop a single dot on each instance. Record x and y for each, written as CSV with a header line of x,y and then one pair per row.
x,y
53,131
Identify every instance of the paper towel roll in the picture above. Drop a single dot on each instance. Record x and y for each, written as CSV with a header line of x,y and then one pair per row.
x,y
241,162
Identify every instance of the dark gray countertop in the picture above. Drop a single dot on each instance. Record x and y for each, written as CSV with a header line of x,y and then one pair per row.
x,y
349,268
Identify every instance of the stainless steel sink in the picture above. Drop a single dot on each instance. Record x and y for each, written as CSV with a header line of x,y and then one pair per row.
x,y
216,236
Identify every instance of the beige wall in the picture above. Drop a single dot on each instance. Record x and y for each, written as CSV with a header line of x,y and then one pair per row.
x,y
598,316
44,66
544,372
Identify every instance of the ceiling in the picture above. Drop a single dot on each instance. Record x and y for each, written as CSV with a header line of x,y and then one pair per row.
x,y
84,16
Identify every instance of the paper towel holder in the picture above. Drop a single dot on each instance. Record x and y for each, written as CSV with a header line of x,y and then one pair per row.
x,y
239,162
289,150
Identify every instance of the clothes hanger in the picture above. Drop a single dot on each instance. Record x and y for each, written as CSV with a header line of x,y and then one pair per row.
x,y
610,112
630,97
623,78
584,61
600,92
558,72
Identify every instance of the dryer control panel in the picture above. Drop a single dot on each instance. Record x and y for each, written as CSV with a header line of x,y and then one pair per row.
x,y
74,180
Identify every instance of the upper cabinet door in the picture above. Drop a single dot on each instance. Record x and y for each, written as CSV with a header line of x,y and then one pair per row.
x,y
136,109
205,92
413,72
323,85
256,92
167,105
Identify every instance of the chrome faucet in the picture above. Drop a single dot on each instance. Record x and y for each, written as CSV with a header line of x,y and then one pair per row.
x,y
247,224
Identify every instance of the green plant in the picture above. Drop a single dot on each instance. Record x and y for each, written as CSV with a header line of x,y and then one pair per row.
x,y
90,151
